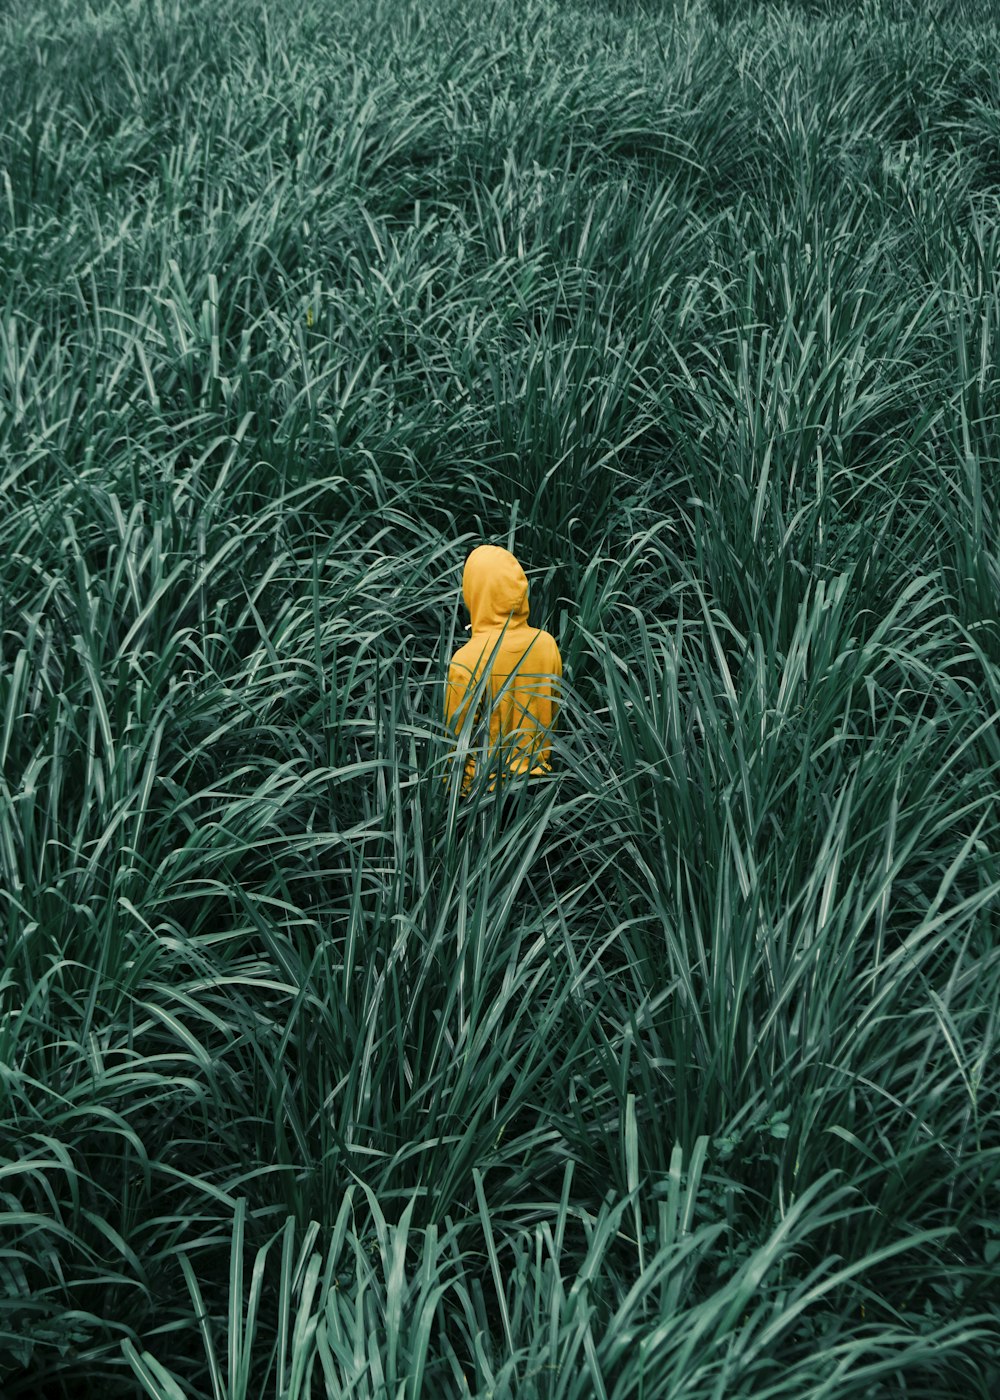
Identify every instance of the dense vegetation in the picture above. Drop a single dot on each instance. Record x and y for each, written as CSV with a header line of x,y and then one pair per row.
x,y
313,1080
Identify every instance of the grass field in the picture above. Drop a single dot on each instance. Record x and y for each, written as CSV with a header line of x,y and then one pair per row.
x,y
314,1080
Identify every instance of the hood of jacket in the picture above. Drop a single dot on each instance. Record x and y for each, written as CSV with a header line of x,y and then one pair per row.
x,y
495,588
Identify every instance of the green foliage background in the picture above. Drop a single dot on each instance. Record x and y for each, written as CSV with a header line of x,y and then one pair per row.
x,y
313,1080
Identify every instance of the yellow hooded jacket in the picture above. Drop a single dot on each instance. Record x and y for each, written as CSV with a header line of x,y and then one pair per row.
x,y
522,663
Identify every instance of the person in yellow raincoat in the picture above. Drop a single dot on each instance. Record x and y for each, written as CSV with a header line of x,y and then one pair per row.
x,y
508,668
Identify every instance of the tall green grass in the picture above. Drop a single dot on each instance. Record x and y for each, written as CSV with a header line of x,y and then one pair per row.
x,y
314,1079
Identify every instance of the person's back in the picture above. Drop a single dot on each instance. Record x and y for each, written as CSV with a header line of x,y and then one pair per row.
x,y
519,667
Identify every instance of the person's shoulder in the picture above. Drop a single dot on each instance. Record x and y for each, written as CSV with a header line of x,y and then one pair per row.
x,y
548,643
469,654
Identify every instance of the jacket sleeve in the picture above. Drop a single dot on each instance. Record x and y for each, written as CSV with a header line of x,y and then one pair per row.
x,y
556,688
456,697
456,707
